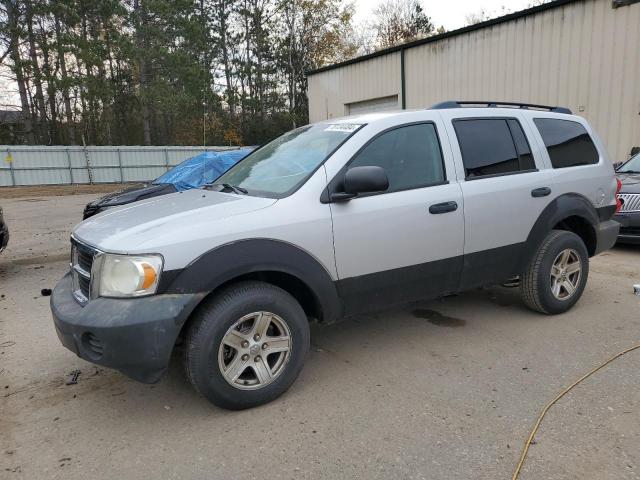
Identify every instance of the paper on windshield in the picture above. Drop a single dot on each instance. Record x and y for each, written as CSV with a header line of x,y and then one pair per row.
x,y
342,127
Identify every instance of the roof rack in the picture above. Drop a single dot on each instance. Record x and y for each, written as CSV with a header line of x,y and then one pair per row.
x,y
484,104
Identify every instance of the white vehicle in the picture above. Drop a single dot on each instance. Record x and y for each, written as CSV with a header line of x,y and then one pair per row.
x,y
335,219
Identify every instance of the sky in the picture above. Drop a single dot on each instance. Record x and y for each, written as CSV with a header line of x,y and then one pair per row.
x,y
450,13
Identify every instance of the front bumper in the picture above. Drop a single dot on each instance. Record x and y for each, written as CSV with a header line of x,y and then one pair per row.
x,y
606,235
134,336
629,227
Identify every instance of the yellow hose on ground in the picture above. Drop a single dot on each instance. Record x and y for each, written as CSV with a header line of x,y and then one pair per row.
x,y
516,473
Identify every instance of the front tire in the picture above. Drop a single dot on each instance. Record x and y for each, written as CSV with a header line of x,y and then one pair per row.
x,y
557,274
247,345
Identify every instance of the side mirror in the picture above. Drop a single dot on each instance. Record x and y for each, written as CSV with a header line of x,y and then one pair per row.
x,y
359,180
365,180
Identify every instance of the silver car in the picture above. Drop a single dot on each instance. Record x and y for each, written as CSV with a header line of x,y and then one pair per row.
x,y
331,220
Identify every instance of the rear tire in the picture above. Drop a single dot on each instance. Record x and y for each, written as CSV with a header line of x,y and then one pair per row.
x,y
247,345
557,274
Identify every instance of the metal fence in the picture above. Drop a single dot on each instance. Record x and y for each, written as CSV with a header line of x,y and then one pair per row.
x,y
60,165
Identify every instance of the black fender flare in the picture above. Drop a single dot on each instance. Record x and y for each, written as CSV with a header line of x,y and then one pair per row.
x,y
562,207
235,259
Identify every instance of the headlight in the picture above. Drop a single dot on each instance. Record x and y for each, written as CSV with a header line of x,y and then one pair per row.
x,y
126,275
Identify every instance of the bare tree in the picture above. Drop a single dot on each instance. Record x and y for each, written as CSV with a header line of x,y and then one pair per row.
x,y
476,17
13,15
482,14
141,23
399,21
168,71
222,10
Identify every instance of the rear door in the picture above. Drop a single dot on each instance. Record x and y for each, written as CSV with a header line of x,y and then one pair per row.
x,y
402,244
505,188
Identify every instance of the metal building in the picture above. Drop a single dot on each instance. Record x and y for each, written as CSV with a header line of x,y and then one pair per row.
x,y
582,54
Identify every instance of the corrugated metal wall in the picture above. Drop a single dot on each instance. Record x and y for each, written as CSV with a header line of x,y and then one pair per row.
x,y
43,165
584,55
330,92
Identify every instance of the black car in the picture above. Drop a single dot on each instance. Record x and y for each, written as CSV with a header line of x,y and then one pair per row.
x,y
130,194
629,215
192,173
4,232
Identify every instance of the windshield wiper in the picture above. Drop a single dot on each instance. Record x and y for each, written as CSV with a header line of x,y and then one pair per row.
x,y
628,171
233,188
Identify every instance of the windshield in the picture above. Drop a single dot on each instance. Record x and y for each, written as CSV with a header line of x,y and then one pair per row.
x,y
632,165
281,166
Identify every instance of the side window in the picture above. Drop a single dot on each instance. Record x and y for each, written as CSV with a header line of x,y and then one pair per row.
x,y
567,142
493,146
410,155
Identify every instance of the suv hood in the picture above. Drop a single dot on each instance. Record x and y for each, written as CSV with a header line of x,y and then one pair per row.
x,y
630,182
140,227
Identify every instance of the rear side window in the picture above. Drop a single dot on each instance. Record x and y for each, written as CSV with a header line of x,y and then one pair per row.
x,y
410,155
567,142
493,146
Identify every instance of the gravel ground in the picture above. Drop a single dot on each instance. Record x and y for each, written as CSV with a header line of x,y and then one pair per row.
x,y
440,390
36,191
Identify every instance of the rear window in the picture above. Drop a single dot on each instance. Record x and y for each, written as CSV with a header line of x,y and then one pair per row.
x,y
493,146
567,142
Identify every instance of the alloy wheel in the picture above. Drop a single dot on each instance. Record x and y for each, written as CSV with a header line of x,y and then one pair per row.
x,y
255,350
566,272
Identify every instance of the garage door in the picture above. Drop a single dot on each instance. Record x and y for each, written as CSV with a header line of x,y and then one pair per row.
x,y
382,104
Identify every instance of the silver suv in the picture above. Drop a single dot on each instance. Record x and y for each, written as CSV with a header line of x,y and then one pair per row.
x,y
330,220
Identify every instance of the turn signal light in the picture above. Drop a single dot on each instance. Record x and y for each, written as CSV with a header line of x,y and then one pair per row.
x,y
149,276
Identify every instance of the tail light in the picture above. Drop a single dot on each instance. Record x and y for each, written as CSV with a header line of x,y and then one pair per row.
x,y
618,188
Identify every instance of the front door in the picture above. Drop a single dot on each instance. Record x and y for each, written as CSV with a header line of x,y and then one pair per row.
x,y
406,243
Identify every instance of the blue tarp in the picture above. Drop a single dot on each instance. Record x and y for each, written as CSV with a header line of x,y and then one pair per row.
x,y
202,169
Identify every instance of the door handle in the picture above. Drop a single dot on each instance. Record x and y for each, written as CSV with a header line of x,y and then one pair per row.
x,y
443,207
540,192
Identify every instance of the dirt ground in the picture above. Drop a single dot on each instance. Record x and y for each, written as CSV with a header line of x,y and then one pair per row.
x,y
447,389
38,191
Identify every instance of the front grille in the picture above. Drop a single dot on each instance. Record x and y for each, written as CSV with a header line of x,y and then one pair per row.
x,y
81,262
630,202
84,284
85,259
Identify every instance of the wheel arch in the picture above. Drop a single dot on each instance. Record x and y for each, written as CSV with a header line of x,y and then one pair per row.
x,y
581,227
273,261
571,212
